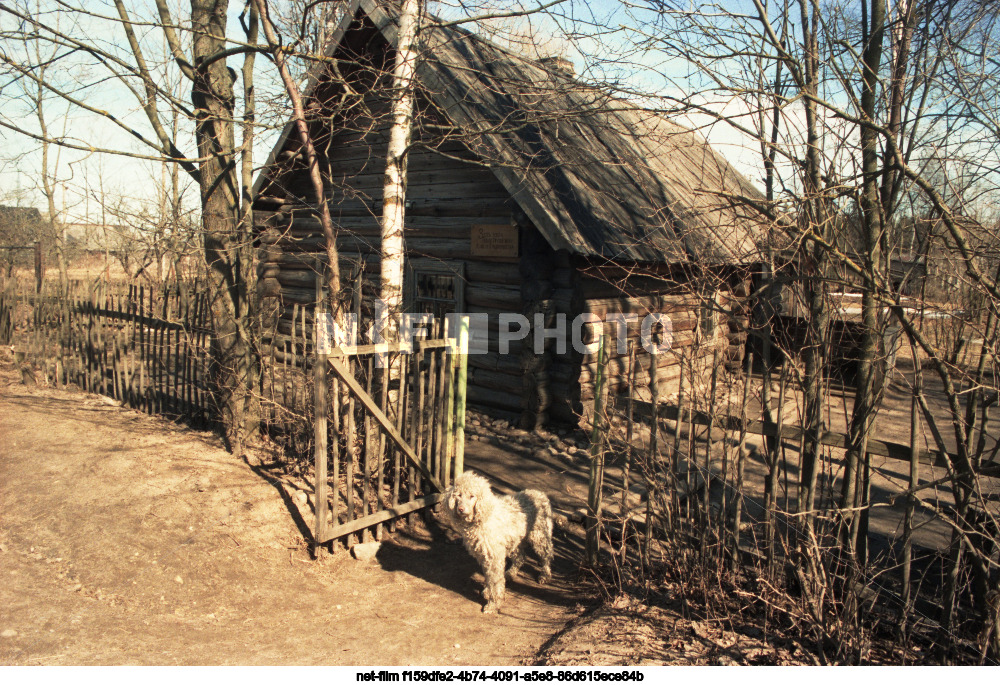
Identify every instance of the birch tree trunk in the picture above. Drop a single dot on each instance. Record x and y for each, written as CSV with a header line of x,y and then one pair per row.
x,y
394,189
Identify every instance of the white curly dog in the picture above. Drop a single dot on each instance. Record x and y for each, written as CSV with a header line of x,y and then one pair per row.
x,y
499,528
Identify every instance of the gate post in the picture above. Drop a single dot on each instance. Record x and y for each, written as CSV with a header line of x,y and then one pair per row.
x,y
461,363
319,417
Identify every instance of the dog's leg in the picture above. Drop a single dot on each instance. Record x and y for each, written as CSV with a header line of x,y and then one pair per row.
x,y
517,560
541,543
495,585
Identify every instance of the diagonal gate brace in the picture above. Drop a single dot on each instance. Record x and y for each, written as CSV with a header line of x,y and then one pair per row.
x,y
372,406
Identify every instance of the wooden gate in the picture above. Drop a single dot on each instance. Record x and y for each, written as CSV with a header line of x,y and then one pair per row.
x,y
388,441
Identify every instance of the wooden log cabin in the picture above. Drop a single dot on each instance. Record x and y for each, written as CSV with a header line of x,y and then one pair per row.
x,y
529,192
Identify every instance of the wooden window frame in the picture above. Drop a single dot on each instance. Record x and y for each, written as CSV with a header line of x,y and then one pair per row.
x,y
429,265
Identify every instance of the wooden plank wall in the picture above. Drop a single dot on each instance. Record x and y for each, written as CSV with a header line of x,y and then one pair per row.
x,y
573,374
445,198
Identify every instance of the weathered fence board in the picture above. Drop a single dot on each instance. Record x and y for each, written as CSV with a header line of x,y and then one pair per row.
x,y
146,347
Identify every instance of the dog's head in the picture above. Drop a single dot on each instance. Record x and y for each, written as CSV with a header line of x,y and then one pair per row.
x,y
468,498
462,505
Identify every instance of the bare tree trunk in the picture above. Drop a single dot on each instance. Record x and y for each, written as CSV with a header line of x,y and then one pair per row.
x,y
302,126
224,234
993,629
816,216
902,39
394,186
394,189
247,268
863,417
763,312
49,185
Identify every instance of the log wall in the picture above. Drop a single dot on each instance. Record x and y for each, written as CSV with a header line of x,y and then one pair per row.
x,y
693,345
445,198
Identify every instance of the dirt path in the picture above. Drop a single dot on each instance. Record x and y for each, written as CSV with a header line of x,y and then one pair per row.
x,y
125,539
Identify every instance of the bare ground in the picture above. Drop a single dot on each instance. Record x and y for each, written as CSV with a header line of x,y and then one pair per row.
x,y
126,539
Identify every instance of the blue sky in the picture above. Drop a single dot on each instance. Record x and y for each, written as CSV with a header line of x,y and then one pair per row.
x,y
81,174
599,31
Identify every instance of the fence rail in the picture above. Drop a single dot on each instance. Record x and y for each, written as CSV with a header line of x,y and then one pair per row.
x,y
881,448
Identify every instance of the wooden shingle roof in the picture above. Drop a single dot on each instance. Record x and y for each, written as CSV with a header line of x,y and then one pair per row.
x,y
597,175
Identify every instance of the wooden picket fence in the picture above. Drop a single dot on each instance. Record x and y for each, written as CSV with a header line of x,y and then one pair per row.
x,y
147,347
287,382
709,479
387,442
389,430
383,444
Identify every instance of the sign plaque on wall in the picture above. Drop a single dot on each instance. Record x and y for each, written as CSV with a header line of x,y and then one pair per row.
x,y
494,240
